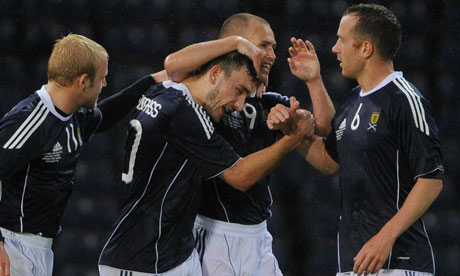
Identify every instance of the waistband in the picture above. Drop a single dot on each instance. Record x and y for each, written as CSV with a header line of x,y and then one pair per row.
x,y
235,229
27,238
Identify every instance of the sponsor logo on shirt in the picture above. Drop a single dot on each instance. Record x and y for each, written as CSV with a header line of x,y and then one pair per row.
x,y
233,120
148,106
342,127
54,155
373,123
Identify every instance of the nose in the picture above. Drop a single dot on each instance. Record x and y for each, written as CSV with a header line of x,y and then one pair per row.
x,y
335,48
104,83
239,104
271,53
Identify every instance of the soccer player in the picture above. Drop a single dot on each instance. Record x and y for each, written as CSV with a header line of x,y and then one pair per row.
x,y
231,229
41,139
385,140
171,148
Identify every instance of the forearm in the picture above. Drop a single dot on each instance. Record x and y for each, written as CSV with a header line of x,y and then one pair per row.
x,y
323,109
257,165
314,151
422,195
180,64
117,106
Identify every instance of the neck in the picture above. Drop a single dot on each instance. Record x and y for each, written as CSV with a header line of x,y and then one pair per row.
x,y
374,73
62,97
197,89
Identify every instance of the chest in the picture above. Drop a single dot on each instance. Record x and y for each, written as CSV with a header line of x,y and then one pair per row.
x,y
364,125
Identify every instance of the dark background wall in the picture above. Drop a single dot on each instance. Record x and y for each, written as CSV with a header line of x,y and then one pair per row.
x,y
138,35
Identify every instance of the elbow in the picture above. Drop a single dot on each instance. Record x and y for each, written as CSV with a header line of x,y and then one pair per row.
x,y
168,64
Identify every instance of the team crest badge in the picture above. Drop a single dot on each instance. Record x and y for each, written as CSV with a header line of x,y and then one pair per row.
x,y
373,123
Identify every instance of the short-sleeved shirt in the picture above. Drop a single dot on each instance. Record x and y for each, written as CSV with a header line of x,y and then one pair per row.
x,y
247,132
384,140
39,150
170,149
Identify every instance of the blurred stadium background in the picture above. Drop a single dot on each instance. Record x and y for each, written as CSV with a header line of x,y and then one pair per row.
x,y
138,35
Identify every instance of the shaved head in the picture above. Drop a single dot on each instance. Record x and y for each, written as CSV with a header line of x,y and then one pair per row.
x,y
237,24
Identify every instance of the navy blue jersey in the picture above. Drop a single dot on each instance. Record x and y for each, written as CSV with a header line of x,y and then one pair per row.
x,y
39,150
38,155
247,132
171,148
384,140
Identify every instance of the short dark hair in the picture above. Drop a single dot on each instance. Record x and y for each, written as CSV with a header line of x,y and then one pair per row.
x,y
378,24
237,24
229,62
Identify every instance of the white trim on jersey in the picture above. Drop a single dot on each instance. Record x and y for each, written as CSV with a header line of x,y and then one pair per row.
x,y
418,112
431,247
27,128
68,139
22,198
219,173
200,112
397,179
220,201
137,202
46,99
338,252
161,214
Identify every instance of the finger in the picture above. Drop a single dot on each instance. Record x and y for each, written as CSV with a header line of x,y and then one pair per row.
x,y
292,51
270,124
292,65
371,268
310,46
260,90
302,46
294,42
294,104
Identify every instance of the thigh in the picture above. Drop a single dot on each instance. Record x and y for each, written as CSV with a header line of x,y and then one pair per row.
x,y
268,265
28,260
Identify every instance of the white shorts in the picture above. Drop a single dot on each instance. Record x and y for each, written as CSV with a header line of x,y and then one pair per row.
x,y
29,254
191,267
234,249
390,272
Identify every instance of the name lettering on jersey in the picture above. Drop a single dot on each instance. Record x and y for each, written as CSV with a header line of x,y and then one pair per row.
x,y
342,127
54,155
373,123
149,106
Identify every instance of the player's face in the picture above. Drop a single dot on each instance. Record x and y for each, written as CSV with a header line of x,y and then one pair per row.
x,y
347,48
92,92
229,94
262,36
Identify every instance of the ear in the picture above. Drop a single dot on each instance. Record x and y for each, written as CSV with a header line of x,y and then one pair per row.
x,y
83,81
367,49
214,73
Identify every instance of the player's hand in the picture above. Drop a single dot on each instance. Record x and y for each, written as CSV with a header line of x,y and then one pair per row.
x,y
304,124
282,117
260,90
245,47
373,254
304,63
4,262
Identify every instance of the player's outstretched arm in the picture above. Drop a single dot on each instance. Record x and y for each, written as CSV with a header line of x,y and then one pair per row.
x,y
117,106
180,64
312,148
374,253
304,64
255,166
4,261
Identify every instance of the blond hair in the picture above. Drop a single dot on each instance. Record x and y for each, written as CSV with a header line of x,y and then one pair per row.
x,y
73,56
